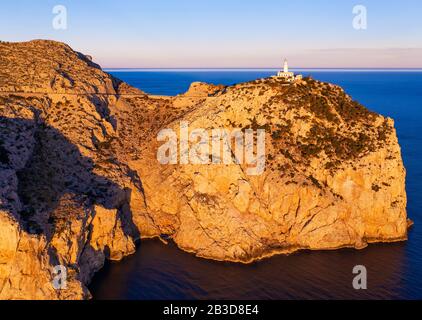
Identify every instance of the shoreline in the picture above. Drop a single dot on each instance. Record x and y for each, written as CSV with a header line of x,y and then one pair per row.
x,y
276,252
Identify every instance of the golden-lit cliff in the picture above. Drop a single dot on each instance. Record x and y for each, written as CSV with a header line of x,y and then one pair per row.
x,y
80,181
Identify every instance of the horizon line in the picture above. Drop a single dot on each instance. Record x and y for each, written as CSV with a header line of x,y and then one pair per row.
x,y
264,69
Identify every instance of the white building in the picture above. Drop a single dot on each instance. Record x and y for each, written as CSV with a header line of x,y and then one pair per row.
x,y
287,75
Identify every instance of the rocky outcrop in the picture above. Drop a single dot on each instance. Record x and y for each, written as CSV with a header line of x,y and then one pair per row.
x,y
80,181
63,194
333,178
201,89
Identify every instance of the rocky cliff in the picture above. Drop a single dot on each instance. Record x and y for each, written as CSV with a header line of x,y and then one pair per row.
x,y
80,181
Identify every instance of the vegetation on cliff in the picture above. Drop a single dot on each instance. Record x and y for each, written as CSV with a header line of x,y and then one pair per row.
x,y
80,181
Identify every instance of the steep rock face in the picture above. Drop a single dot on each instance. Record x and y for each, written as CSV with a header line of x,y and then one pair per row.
x,y
333,178
80,180
63,193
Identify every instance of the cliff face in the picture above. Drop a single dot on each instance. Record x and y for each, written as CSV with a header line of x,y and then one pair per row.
x,y
64,197
80,180
333,178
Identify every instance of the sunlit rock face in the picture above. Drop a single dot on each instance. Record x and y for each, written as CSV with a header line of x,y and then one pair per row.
x,y
333,174
64,194
80,181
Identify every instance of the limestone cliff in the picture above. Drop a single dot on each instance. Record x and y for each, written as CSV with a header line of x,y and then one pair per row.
x,y
80,181
64,196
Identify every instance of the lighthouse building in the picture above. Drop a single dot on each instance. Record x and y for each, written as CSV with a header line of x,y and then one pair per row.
x,y
287,75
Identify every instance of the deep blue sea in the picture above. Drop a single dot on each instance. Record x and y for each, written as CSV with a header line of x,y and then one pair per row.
x,y
159,271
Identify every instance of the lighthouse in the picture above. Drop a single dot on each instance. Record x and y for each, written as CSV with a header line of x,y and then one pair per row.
x,y
286,75
286,66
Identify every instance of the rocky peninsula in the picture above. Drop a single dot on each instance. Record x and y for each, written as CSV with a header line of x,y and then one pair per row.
x,y
80,181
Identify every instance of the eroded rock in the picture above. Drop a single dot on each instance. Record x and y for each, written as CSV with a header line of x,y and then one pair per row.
x,y
80,181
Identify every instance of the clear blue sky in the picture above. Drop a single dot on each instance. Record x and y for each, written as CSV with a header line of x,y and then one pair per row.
x,y
226,33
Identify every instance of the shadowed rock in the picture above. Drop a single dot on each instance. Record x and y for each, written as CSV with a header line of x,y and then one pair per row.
x,y
80,178
55,195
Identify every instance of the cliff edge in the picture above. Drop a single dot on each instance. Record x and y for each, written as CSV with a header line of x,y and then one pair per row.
x,y
80,181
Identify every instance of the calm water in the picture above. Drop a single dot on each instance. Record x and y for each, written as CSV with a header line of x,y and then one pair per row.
x,y
157,271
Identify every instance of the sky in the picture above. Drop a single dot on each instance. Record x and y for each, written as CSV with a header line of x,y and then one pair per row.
x,y
226,33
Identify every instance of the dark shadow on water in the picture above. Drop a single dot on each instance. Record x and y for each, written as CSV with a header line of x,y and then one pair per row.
x,y
159,271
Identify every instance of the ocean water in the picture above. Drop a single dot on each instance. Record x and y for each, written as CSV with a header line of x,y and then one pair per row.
x,y
159,271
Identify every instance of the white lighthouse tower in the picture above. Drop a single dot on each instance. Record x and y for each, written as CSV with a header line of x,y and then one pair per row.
x,y
286,74
286,66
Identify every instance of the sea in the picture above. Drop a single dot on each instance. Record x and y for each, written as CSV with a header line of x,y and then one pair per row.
x,y
394,271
